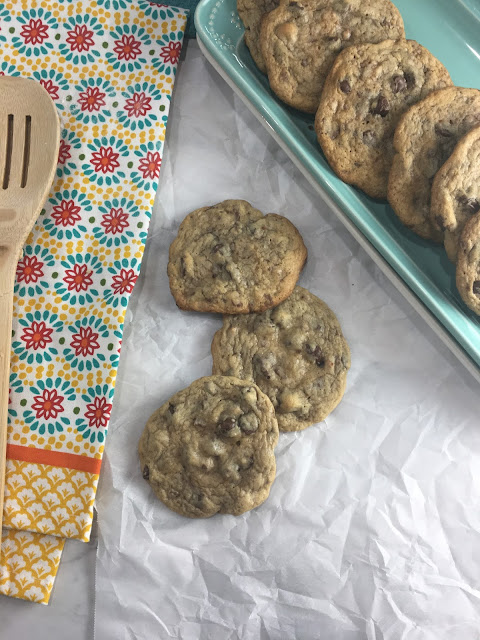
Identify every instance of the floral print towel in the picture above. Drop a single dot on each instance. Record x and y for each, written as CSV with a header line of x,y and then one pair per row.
x,y
109,66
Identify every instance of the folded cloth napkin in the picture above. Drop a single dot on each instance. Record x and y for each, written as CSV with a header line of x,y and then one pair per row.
x,y
109,66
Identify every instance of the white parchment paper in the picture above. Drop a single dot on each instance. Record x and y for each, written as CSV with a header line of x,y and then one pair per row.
x,y
372,528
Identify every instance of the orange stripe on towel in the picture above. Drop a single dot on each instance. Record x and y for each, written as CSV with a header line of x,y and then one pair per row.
x,y
54,458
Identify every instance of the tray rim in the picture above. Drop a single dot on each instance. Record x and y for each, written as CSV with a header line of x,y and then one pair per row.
x,y
213,54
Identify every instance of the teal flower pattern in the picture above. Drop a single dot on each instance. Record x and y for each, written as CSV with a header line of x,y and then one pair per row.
x,y
130,45
37,31
16,386
115,357
116,5
30,276
95,96
103,160
93,424
77,278
66,210
85,345
83,39
147,166
124,275
170,48
48,406
69,144
7,69
139,106
38,338
5,17
156,11
116,224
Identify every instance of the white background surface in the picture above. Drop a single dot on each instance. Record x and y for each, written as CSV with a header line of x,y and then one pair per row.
x,y
372,529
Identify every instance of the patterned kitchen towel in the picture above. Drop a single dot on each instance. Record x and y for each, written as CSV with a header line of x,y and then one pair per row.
x,y
109,66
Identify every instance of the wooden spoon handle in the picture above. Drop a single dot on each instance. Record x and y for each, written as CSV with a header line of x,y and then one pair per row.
x,y
7,277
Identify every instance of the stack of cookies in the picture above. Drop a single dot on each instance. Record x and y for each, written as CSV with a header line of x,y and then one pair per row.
x,y
387,115
280,362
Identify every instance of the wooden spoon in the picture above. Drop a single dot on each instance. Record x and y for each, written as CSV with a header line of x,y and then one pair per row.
x,y
29,140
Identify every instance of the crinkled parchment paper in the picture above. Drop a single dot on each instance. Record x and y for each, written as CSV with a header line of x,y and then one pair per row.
x,y
372,527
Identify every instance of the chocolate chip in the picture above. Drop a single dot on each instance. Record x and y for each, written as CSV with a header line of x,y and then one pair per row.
x,y
217,247
317,354
171,408
471,205
146,472
226,426
440,223
441,131
345,86
305,62
182,267
398,84
476,287
369,137
410,78
382,107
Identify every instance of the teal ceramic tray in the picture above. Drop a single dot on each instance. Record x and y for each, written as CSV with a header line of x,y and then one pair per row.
x,y
450,29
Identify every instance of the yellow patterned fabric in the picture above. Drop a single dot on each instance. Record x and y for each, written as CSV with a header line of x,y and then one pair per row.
x,y
109,66
42,498
29,565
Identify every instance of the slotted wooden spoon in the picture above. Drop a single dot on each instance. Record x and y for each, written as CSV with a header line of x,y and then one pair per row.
x,y
29,140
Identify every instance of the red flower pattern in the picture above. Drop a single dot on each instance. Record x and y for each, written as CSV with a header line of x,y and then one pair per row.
x,y
37,336
63,152
98,413
150,165
29,269
171,52
35,32
85,342
138,105
51,88
79,278
92,99
115,221
66,214
80,38
105,160
124,281
127,48
48,405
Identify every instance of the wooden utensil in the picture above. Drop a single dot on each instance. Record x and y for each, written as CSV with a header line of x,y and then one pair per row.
x,y
29,140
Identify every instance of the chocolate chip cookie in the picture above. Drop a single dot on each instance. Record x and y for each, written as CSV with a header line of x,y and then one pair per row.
x,y
468,263
367,90
251,13
230,258
301,39
424,139
210,448
456,191
295,353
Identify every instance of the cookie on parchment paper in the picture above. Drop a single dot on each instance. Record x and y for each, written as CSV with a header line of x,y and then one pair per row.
x,y
230,258
210,448
296,353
